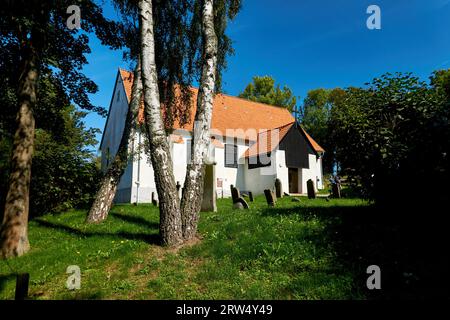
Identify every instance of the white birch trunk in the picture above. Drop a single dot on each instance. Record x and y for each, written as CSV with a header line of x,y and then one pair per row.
x,y
193,187
108,187
169,203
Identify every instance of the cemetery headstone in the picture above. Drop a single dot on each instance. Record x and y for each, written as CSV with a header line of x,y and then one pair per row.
x,y
243,202
278,188
154,201
238,206
269,197
310,188
336,191
235,194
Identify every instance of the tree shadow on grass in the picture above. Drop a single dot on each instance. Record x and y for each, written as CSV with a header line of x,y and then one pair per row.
x,y
150,238
409,248
135,220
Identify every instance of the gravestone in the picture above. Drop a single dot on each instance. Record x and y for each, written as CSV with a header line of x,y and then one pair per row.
x,y
250,196
154,201
209,190
336,190
269,197
310,188
238,206
243,202
235,194
278,188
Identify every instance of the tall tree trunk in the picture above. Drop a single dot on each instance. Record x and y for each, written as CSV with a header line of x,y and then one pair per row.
x,y
105,195
14,229
193,184
169,203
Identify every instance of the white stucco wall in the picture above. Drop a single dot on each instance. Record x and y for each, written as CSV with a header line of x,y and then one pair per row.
x,y
115,123
259,179
314,172
282,170
230,176
112,136
143,182
319,169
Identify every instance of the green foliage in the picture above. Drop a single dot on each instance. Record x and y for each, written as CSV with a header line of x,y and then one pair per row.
x,y
178,39
264,90
396,129
65,174
62,52
64,171
315,116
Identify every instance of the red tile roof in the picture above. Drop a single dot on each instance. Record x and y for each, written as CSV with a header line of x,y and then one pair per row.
x,y
246,117
267,141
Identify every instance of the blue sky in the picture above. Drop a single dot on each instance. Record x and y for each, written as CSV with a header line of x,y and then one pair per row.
x,y
308,44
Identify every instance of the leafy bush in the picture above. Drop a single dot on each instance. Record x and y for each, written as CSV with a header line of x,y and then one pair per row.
x,y
394,134
64,172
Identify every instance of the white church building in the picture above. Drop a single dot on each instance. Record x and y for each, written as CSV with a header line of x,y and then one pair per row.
x,y
252,144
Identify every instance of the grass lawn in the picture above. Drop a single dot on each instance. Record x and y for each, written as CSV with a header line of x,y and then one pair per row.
x,y
298,250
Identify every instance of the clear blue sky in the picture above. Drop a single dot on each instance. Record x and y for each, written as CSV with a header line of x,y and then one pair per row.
x,y
307,44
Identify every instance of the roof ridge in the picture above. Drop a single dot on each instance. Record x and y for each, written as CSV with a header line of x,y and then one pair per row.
x,y
257,102
284,125
233,97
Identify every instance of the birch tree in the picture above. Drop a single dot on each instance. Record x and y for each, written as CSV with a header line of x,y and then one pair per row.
x,y
108,187
161,160
193,186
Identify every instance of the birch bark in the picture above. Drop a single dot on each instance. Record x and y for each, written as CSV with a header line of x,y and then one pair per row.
x,y
169,203
193,186
108,187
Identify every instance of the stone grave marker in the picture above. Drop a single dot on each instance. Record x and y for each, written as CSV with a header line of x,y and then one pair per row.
x,y
269,197
238,206
235,194
154,201
278,188
310,188
336,190
243,202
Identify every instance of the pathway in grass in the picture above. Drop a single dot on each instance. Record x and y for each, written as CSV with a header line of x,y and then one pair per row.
x,y
287,252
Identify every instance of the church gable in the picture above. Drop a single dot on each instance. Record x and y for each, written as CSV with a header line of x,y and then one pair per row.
x,y
297,148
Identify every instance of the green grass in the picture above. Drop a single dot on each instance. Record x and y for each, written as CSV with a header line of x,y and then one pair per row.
x,y
293,251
